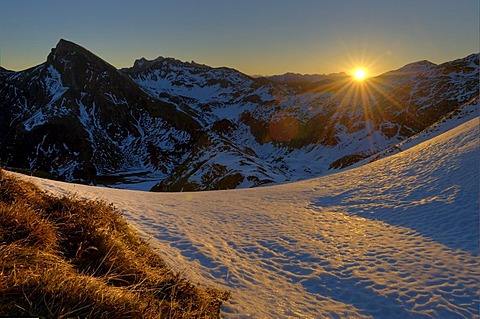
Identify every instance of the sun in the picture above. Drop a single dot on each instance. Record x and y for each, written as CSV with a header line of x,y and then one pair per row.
x,y
360,74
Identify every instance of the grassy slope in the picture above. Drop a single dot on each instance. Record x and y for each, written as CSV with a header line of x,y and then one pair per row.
x,y
63,257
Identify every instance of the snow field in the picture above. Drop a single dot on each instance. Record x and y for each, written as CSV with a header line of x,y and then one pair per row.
x,y
397,238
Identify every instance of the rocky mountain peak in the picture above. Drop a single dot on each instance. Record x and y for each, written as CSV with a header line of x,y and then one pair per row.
x,y
68,45
80,70
74,63
165,63
67,49
143,64
419,66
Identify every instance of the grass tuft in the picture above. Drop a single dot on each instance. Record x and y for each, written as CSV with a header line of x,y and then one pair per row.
x,y
68,258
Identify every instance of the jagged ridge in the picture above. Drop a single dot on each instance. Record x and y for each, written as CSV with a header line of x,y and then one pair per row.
x,y
189,126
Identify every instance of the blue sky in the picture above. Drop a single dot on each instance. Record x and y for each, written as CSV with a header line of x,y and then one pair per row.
x,y
253,36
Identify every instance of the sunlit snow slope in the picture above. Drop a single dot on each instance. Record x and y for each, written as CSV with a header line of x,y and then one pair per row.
x,y
397,238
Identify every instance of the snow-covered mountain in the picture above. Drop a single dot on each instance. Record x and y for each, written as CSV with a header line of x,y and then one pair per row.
x,y
396,238
77,117
304,79
174,125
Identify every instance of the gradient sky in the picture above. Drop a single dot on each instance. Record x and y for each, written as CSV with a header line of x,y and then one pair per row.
x,y
254,36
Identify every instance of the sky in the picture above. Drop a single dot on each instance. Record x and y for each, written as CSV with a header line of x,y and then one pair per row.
x,y
257,37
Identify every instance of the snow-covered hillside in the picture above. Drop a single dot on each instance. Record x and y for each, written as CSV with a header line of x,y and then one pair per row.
x,y
168,125
396,238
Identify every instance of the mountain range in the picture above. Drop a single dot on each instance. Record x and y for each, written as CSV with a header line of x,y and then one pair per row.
x,y
168,125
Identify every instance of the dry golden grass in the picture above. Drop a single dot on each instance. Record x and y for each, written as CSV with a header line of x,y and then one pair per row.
x,y
67,258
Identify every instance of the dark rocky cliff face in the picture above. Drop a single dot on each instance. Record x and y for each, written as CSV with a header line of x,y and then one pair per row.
x,y
77,117
188,126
